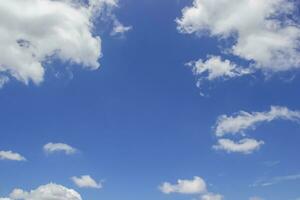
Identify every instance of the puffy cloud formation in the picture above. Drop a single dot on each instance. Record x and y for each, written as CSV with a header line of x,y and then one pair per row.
x,y
245,120
195,186
59,147
86,181
265,34
263,31
33,32
242,121
245,146
9,155
45,192
215,68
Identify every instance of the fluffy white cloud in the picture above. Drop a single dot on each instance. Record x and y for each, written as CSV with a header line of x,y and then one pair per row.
x,y
263,31
215,68
45,192
191,187
9,155
211,196
195,186
244,120
33,32
86,181
59,147
245,146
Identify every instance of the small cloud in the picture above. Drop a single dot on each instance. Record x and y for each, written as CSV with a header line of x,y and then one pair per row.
x,y
119,28
59,147
243,121
195,186
86,181
9,155
245,146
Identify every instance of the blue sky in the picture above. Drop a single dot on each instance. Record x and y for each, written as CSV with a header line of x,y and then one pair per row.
x,y
140,120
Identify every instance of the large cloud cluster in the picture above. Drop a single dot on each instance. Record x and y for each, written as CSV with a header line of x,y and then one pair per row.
x,y
33,32
265,33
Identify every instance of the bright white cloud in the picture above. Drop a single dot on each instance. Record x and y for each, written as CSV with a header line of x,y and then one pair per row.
x,y
45,192
59,147
263,31
216,68
33,32
211,196
245,146
9,155
86,181
244,120
195,186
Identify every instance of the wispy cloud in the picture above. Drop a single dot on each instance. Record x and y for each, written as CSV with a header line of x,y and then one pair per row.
x,y
243,121
276,180
59,147
9,155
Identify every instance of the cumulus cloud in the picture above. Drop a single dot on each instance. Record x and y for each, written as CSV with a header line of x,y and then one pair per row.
x,y
59,147
211,196
263,31
245,146
86,181
45,192
9,155
216,68
242,121
33,32
195,186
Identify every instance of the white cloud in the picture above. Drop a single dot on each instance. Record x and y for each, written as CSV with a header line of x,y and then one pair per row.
x,y
45,192
86,181
263,31
277,180
120,29
245,146
33,32
3,81
9,155
244,120
211,196
216,68
59,147
195,186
